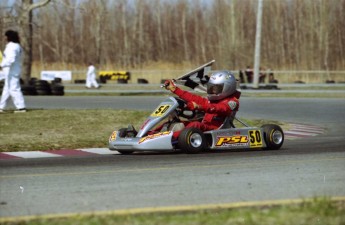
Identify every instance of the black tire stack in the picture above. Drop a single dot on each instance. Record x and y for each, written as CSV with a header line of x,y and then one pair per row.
x,y
57,88
42,87
28,89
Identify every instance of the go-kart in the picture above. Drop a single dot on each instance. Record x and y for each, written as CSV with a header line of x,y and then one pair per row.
x,y
156,133
172,115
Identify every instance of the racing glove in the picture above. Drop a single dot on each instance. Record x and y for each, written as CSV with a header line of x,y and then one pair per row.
x,y
170,85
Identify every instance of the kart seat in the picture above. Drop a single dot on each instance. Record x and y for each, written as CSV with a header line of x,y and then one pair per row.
x,y
229,121
177,126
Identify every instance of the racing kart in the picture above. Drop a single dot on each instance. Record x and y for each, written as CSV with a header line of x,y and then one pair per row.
x,y
156,133
172,115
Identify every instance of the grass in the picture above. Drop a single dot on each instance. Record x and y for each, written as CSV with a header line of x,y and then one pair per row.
x,y
316,211
62,129
67,129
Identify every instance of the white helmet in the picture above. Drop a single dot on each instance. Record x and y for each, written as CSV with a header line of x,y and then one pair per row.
x,y
221,85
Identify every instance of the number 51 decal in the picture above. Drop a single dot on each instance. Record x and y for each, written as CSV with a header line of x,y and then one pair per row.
x,y
255,138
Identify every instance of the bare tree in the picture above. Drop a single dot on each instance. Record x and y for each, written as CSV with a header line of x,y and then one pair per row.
x,y
25,28
296,34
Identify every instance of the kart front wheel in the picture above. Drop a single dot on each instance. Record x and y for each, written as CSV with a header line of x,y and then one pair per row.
x,y
192,140
274,136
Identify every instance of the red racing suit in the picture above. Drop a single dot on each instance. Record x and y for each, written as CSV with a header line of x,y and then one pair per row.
x,y
215,111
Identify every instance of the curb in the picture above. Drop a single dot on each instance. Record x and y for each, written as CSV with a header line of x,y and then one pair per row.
x,y
303,131
296,131
56,153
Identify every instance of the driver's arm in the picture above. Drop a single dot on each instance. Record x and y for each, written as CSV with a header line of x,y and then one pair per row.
x,y
220,108
223,107
185,95
189,97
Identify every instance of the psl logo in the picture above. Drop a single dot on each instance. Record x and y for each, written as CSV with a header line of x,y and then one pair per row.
x,y
232,140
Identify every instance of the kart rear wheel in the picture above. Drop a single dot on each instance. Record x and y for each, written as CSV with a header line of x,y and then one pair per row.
x,y
192,140
273,135
123,133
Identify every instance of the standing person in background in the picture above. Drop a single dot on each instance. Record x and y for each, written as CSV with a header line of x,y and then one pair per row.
x,y
262,76
91,77
11,65
250,74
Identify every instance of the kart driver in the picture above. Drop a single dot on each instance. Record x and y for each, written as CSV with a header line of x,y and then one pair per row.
x,y
222,100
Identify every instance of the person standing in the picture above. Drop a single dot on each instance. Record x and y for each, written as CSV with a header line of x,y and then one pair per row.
x,y
11,66
91,77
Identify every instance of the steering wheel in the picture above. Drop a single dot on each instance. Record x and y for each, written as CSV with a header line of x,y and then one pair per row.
x,y
184,111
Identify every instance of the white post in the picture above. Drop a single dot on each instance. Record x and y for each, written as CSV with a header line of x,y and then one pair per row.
x,y
257,46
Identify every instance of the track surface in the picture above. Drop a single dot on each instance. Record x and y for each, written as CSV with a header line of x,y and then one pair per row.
x,y
307,167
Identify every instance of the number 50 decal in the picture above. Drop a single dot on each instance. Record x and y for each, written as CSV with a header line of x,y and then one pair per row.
x,y
160,110
255,138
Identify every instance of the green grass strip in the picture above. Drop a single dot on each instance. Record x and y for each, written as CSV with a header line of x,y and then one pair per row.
x,y
292,211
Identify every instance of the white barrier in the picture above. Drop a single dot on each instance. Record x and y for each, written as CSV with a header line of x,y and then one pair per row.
x,y
51,75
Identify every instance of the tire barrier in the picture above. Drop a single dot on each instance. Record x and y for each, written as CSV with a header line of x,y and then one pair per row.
x,y
79,81
122,77
122,81
28,90
43,87
58,89
40,87
142,81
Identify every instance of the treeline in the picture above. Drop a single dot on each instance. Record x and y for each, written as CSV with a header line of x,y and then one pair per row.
x,y
296,34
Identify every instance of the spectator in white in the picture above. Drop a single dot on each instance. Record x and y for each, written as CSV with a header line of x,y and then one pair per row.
x,y
11,66
91,77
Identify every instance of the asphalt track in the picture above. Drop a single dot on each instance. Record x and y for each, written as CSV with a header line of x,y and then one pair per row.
x,y
303,168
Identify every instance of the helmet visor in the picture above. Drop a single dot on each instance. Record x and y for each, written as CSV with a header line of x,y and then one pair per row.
x,y
214,88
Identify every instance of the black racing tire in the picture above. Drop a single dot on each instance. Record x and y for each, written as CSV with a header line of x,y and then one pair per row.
x,y
43,87
28,90
57,89
122,81
142,81
57,80
41,83
32,81
273,136
123,133
192,140
58,93
43,92
79,81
